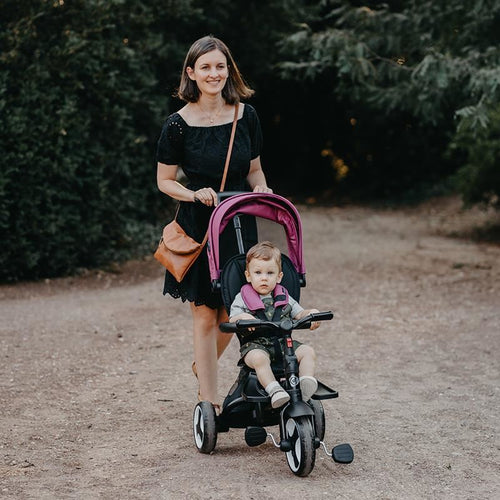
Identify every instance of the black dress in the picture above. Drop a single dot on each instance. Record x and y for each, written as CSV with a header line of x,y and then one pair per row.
x,y
201,152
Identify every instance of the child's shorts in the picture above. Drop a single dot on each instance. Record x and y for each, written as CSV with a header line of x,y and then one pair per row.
x,y
265,344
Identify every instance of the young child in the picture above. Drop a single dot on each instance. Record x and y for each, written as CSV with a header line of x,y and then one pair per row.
x,y
263,273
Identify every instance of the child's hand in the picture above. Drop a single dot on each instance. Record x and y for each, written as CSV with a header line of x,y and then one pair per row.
x,y
305,312
234,319
314,324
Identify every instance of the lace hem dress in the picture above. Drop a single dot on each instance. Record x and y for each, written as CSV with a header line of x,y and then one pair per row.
x,y
201,153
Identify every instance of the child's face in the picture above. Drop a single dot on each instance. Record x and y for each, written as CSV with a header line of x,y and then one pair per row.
x,y
263,275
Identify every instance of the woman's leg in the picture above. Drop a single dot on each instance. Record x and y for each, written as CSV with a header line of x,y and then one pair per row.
x,y
205,334
223,339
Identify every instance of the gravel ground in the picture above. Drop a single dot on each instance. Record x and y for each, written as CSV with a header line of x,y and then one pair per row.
x,y
96,390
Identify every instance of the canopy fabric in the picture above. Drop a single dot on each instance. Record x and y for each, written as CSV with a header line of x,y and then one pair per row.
x,y
265,205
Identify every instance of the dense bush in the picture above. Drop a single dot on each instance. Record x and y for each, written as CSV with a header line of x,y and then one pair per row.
x,y
80,106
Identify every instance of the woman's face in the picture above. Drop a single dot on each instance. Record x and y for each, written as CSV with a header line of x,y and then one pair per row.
x,y
210,72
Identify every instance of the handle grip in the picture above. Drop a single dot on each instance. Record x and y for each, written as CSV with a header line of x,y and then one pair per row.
x,y
223,195
306,321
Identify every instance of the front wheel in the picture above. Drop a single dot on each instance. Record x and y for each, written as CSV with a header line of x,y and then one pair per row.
x,y
302,455
319,418
204,427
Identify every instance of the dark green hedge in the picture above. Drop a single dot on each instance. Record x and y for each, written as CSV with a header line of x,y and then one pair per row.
x,y
80,107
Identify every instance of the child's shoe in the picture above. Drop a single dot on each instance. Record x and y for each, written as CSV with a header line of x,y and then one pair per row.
x,y
308,386
278,395
279,398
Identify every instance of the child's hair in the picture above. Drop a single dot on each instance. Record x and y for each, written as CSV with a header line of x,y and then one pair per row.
x,y
264,250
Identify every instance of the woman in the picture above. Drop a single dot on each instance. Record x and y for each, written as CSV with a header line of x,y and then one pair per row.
x,y
197,138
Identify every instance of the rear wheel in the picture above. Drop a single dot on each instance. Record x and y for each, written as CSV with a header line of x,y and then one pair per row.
x,y
302,455
204,427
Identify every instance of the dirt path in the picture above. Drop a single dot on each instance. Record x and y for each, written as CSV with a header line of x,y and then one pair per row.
x,y
97,395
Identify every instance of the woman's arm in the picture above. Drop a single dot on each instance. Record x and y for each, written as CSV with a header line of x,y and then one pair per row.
x,y
166,178
256,177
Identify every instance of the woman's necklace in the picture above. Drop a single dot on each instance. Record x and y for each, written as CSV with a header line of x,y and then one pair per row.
x,y
211,118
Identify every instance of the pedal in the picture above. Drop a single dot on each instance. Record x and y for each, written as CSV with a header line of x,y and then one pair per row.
x,y
254,436
343,453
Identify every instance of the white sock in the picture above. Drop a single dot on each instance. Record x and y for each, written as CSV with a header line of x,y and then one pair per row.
x,y
277,394
272,387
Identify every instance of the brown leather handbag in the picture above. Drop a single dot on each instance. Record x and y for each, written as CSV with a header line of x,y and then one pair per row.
x,y
177,251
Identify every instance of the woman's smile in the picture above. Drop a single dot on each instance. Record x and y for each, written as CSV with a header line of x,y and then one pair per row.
x,y
210,71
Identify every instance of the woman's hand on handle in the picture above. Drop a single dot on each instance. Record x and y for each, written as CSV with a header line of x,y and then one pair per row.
x,y
207,196
262,189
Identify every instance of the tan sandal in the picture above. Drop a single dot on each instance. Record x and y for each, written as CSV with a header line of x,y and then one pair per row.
x,y
195,373
215,405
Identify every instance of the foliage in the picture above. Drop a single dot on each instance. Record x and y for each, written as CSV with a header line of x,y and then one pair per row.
x,y
79,101
404,71
355,98
479,151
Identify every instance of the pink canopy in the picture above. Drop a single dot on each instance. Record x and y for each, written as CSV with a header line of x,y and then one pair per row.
x,y
265,205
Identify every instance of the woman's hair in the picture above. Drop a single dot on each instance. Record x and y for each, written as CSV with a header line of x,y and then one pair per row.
x,y
264,250
235,88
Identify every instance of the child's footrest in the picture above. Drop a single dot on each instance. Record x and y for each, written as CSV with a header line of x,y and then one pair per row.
x,y
343,453
324,392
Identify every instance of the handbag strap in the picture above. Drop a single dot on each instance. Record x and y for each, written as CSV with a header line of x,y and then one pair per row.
x,y
230,149
226,165
228,155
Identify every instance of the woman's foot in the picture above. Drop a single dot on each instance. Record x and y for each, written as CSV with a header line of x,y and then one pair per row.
x,y
215,405
195,373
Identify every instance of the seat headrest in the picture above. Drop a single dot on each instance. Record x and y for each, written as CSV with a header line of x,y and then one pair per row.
x,y
233,278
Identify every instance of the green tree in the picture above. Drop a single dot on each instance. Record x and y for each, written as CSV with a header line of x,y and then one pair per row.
x,y
407,73
478,150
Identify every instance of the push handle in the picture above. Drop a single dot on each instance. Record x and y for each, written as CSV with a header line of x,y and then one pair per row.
x,y
223,195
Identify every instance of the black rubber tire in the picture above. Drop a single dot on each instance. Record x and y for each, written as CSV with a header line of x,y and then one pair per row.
x,y
319,418
204,427
302,456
